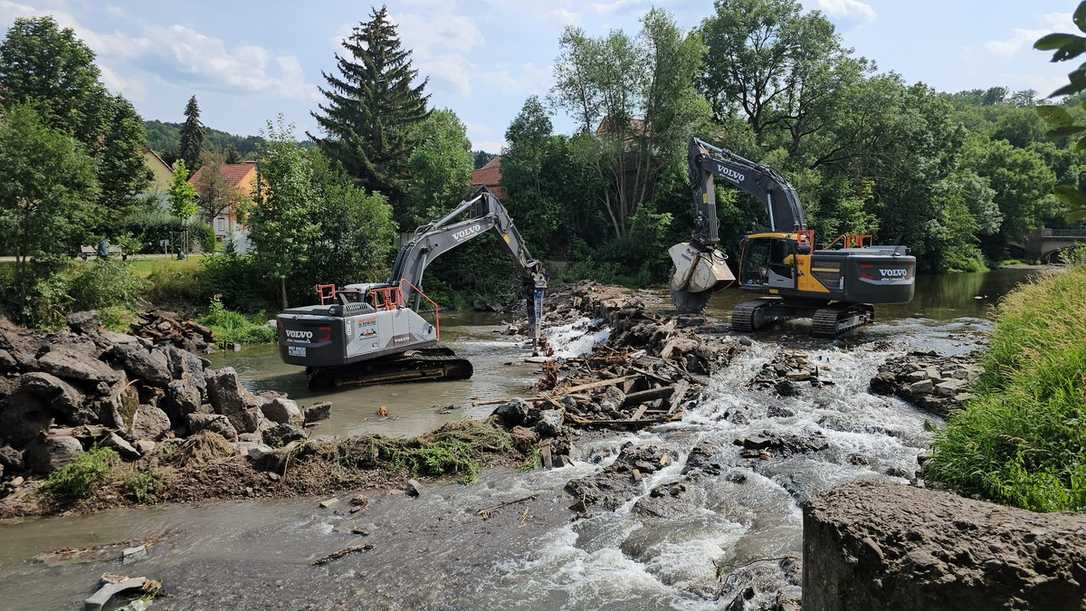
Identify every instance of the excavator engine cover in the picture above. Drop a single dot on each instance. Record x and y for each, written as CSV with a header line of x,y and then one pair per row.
x,y
697,271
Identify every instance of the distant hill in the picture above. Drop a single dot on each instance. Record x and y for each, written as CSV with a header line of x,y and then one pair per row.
x,y
164,139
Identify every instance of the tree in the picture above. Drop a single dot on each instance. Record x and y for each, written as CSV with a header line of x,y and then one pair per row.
x,y
371,109
216,194
439,168
182,195
642,92
282,221
192,136
528,138
47,189
49,67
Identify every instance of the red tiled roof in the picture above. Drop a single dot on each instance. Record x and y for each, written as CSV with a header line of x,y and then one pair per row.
x,y
490,176
234,173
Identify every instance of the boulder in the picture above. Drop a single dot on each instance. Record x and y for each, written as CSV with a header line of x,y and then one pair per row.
x,y
11,459
282,434
150,366
550,423
86,322
182,398
43,456
214,423
516,412
149,422
922,386
317,412
872,545
951,387
121,403
62,397
230,398
281,410
77,362
126,450
182,363
23,416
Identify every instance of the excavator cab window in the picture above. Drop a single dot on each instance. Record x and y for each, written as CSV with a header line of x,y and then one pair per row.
x,y
755,262
782,263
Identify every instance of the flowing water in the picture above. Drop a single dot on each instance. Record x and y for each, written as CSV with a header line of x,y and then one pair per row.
x,y
695,550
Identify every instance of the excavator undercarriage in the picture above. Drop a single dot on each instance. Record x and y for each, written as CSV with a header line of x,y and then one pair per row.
x,y
423,365
827,319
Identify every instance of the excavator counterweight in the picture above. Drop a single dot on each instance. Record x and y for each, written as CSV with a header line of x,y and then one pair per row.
x,y
363,334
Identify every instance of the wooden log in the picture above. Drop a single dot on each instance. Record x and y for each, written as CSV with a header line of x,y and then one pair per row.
x,y
637,398
676,397
593,385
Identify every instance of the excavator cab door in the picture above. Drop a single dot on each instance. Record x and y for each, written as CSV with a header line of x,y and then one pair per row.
x,y
768,263
782,264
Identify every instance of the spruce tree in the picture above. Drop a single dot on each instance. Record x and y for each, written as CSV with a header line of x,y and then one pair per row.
x,y
192,136
371,107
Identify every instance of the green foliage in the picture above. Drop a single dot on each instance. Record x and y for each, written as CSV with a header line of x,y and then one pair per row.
x,y
439,167
191,138
182,194
1021,440
1075,255
233,327
164,139
117,318
103,283
79,478
372,109
141,486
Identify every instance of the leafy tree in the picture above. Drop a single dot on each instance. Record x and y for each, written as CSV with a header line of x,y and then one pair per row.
x,y
642,92
371,110
47,190
192,136
216,194
282,225
49,67
528,139
182,195
439,168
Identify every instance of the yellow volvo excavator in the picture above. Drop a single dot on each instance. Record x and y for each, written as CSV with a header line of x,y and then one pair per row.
x,y
836,287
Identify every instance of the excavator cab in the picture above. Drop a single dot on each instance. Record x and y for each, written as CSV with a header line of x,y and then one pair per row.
x,y
768,261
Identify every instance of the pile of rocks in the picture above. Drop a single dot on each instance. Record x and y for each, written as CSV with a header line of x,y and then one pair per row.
x,y
621,480
62,393
930,381
785,371
168,328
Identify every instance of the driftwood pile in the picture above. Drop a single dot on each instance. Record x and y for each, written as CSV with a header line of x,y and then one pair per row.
x,y
165,328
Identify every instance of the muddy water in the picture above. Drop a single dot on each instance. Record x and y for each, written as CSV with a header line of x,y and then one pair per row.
x,y
437,551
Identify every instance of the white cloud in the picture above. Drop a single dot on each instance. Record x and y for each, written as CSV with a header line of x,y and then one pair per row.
x,y
846,9
176,53
1023,38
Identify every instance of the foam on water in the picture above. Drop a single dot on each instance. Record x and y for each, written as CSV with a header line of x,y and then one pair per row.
x,y
576,338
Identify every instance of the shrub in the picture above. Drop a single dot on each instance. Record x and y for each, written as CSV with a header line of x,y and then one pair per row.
x,y
100,284
79,478
233,327
142,486
117,318
1022,441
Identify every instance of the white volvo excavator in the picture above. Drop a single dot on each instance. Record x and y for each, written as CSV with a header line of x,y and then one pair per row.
x,y
362,334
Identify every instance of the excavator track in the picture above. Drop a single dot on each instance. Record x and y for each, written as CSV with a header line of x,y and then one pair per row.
x,y
750,316
837,320
414,366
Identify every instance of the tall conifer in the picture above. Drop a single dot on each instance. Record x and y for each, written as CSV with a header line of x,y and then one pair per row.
x,y
192,136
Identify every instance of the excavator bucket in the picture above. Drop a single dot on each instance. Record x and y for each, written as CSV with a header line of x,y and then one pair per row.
x,y
697,273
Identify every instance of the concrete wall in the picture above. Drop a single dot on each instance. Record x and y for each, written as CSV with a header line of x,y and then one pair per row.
x,y
870,545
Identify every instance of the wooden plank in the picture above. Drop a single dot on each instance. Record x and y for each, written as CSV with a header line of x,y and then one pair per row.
x,y
596,384
637,398
648,374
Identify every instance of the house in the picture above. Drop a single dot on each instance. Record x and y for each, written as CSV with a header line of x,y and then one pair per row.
x,y
161,172
241,180
490,176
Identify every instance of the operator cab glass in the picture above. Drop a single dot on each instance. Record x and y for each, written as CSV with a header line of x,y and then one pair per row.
x,y
768,262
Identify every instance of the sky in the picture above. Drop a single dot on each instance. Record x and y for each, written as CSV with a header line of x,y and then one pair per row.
x,y
247,62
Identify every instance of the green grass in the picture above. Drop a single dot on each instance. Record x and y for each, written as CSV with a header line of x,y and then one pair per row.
x,y
146,267
79,478
1022,440
233,327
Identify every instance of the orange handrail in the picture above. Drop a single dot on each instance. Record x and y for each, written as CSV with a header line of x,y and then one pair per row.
x,y
433,304
326,292
389,298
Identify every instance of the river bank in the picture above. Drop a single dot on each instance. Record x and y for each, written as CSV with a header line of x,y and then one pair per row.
x,y
721,517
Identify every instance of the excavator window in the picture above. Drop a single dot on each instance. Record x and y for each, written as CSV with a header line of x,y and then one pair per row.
x,y
755,266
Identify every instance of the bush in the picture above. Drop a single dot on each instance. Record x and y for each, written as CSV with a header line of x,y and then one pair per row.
x,y
142,486
176,284
100,284
1021,441
79,478
117,318
233,327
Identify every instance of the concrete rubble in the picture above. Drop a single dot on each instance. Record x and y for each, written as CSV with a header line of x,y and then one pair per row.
x,y
932,382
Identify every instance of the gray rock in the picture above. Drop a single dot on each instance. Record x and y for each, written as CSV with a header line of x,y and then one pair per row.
x,y
61,396
317,412
86,321
514,413
23,417
215,423
934,373
133,554
149,422
233,400
182,398
283,434
281,410
922,387
146,446
916,376
125,449
251,437
183,362
150,366
414,488
550,423
77,362
121,403
11,459
949,388
110,589
243,447
45,456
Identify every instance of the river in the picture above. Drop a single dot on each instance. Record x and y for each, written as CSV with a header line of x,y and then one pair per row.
x,y
722,534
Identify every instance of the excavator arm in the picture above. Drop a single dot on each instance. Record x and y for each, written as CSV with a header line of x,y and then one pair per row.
x,y
481,212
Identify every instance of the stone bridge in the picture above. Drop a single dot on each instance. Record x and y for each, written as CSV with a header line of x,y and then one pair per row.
x,y
1045,244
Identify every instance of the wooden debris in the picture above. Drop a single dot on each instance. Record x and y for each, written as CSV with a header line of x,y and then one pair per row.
x,y
487,512
347,551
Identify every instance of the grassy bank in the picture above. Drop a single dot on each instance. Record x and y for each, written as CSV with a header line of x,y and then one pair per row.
x,y
1022,439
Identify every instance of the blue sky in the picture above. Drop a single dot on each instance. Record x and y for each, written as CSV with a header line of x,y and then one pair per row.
x,y
248,61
